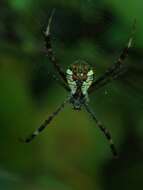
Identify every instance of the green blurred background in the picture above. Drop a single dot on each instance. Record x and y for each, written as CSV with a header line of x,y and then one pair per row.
x,y
72,154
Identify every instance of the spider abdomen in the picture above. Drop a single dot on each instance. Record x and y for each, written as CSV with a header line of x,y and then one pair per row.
x,y
79,79
87,83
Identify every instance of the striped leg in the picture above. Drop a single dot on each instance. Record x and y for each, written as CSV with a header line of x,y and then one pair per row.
x,y
62,83
117,74
50,53
45,124
111,72
103,129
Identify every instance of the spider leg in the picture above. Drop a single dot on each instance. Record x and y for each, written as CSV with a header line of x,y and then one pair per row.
x,y
61,83
49,50
103,129
45,124
117,74
111,72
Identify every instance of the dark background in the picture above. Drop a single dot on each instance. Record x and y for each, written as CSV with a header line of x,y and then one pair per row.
x,y
72,154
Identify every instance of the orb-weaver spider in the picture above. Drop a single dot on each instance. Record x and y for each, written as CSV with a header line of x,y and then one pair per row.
x,y
79,81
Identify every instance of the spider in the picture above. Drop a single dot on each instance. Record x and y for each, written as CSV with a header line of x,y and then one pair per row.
x,y
79,81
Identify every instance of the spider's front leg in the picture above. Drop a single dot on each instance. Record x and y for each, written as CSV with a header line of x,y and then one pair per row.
x,y
103,129
45,124
51,55
116,70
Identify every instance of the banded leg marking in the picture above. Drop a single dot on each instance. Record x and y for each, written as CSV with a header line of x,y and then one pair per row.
x,y
111,72
49,49
45,124
103,129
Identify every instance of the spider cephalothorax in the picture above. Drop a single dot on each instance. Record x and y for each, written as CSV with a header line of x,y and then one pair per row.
x,y
79,81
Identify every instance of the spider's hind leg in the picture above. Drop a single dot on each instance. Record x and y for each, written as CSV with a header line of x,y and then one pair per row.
x,y
45,124
103,129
